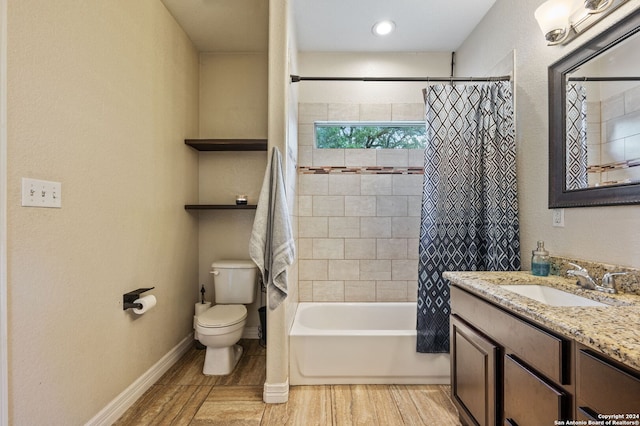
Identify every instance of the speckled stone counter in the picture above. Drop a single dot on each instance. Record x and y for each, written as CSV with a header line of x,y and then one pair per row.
x,y
613,330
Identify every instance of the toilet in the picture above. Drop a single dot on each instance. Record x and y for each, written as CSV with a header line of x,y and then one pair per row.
x,y
220,327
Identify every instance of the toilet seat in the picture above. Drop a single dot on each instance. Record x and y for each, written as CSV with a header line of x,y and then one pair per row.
x,y
222,316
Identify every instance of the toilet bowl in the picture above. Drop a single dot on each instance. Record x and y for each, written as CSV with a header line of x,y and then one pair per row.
x,y
220,327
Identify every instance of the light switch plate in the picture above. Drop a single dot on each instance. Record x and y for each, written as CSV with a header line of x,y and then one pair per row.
x,y
41,193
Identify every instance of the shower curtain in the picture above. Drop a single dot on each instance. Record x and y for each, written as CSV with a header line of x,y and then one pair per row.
x,y
576,144
469,203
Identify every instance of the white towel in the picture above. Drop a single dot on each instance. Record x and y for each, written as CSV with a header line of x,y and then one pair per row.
x,y
271,246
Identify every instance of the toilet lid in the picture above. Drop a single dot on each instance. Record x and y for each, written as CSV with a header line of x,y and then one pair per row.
x,y
222,316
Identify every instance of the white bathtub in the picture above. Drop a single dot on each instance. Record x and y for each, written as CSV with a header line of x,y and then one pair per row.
x,y
355,343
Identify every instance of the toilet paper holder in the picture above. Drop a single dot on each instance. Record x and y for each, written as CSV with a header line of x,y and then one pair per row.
x,y
128,299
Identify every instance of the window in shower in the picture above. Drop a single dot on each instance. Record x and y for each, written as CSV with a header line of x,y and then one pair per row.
x,y
374,135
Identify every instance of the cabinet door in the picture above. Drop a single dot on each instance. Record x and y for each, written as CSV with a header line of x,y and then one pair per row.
x,y
529,400
605,388
473,374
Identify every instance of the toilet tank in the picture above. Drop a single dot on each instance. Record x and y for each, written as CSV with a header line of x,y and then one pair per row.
x,y
234,281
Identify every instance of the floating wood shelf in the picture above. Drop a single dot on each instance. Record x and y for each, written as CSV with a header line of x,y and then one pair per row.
x,y
220,207
227,144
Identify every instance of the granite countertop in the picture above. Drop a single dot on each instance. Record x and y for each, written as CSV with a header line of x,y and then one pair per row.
x,y
613,330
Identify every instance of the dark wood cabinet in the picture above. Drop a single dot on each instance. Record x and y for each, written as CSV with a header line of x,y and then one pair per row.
x,y
508,370
529,399
473,370
605,387
504,369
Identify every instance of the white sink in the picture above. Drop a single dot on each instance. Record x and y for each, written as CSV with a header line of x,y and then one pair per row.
x,y
551,296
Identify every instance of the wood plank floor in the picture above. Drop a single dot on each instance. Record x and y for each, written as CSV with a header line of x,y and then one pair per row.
x,y
184,396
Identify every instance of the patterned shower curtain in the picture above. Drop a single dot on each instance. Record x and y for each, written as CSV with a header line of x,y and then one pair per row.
x,y
469,203
576,144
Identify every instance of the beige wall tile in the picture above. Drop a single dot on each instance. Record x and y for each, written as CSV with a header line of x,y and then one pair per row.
x,y
407,184
343,112
375,269
328,157
305,205
344,184
375,227
305,156
305,248
344,227
308,113
412,248
309,270
391,291
360,248
412,290
328,248
405,227
404,270
376,185
332,205
306,135
392,157
360,205
414,205
408,112
305,291
391,205
359,157
313,227
359,291
344,270
375,112
328,291
391,248
416,158
313,184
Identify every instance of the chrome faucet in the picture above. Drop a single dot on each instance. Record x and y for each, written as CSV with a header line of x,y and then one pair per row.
x,y
587,282
584,279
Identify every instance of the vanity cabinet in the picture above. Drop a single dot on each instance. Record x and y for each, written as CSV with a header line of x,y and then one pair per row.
x,y
474,366
605,387
520,370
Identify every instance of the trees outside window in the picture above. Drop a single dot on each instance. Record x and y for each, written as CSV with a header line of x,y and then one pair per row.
x,y
374,135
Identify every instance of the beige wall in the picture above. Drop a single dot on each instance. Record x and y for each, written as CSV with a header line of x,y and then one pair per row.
x,y
605,234
101,95
233,104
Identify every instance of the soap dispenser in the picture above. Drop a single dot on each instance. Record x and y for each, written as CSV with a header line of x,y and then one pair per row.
x,y
540,263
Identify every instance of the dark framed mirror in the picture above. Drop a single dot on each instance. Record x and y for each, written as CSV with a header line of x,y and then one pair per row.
x,y
594,120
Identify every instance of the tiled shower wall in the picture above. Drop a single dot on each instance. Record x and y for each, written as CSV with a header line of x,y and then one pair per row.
x,y
614,138
359,211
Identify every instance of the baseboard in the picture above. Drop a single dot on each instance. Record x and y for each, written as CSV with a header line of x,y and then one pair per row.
x,y
276,393
116,408
251,333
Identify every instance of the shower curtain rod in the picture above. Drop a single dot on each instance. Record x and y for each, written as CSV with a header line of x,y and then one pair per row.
x,y
297,78
604,78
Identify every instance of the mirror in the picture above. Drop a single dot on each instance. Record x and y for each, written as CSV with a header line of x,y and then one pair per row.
x,y
594,120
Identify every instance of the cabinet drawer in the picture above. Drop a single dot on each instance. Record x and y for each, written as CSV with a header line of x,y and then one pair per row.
x,y
545,352
528,398
604,388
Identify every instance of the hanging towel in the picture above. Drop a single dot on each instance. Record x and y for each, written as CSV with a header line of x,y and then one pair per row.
x,y
271,246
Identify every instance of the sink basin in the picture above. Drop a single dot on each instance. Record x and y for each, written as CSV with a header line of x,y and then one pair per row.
x,y
551,296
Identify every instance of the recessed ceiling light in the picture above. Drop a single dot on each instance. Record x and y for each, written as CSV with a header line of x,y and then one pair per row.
x,y
383,28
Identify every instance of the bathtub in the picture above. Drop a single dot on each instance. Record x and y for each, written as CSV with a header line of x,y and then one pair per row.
x,y
360,343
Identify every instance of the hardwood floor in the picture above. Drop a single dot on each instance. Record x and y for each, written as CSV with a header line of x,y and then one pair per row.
x,y
184,396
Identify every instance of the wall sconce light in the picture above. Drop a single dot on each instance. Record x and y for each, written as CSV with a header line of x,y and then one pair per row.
x,y
563,20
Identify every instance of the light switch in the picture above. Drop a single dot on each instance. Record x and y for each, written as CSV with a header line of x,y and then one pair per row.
x,y
41,193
